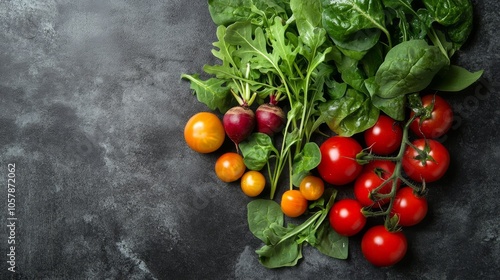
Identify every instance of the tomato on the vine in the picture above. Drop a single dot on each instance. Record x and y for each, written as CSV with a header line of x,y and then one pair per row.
x,y
346,217
382,247
293,203
204,132
428,162
252,183
373,176
338,164
384,137
409,207
230,167
312,187
436,121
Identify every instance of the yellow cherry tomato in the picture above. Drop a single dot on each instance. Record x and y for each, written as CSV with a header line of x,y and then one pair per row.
x,y
204,132
312,187
293,203
230,167
252,183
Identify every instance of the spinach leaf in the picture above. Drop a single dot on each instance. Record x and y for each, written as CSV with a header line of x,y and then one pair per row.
x,y
351,114
454,78
330,242
261,214
447,12
305,161
408,67
286,253
256,150
213,92
354,24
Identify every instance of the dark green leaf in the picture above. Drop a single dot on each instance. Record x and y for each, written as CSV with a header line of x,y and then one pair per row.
x,y
256,150
305,161
455,78
408,67
354,22
351,114
331,243
261,213
287,253
213,92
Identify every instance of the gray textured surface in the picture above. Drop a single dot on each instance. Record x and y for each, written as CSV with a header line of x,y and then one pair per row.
x,y
92,110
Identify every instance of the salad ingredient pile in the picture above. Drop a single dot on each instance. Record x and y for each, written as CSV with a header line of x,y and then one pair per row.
x,y
329,97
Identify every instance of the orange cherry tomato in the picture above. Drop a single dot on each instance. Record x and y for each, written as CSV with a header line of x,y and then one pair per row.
x,y
204,132
312,187
230,167
253,183
293,203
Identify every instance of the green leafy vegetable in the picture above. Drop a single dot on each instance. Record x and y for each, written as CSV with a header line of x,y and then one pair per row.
x,y
283,245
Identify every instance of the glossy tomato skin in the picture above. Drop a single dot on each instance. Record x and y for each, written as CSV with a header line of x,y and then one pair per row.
x,y
410,208
373,175
338,164
346,217
432,167
384,137
252,183
293,203
382,247
204,132
312,187
230,167
440,121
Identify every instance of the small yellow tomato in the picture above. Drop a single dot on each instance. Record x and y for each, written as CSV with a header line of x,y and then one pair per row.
x,y
293,203
312,187
253,183
230,167
204,132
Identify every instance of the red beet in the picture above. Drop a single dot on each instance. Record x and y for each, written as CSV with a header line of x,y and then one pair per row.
x,y
239,123
270,119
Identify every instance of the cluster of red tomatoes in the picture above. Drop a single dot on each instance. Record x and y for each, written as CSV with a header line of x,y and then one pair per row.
x,y
392,184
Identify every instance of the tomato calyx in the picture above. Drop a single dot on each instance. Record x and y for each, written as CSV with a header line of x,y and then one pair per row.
x,y
423,154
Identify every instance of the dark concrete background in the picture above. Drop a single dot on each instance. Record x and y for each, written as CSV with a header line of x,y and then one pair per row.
x,y
92,111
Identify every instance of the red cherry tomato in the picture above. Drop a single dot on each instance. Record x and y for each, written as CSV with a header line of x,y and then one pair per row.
x,y
384,137
338,164
382,247
372,178
429,163
439,121
410,208
346,217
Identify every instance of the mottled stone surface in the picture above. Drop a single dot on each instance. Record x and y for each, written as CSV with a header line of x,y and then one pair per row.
x,y
92,110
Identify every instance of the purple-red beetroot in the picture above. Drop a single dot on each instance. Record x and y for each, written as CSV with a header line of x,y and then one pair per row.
x,y
239,123
270,119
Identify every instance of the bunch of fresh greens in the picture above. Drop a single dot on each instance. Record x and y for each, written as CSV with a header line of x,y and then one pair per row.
x,y
283,245
333,62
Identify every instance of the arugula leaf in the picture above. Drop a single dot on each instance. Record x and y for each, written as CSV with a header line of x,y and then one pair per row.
x,y
213,92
